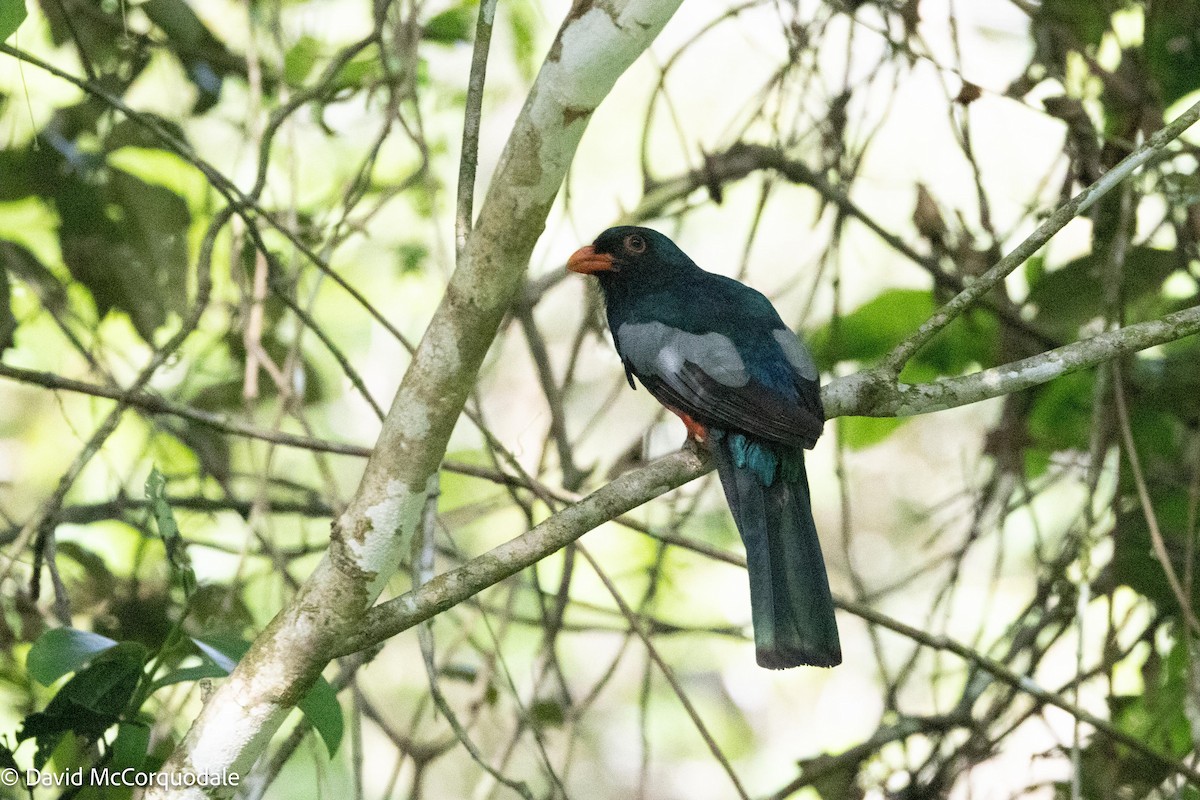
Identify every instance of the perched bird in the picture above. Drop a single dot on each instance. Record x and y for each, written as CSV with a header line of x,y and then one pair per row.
x,y
716,353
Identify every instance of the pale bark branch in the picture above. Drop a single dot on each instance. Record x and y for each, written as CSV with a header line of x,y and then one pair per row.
x,y
874,393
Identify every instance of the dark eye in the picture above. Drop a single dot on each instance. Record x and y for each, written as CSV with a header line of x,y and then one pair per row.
x,y
635,243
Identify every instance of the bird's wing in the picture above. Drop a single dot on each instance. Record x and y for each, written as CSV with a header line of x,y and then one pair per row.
x,y
704,375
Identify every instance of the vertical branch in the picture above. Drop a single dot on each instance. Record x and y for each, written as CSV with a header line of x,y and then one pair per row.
x,y
1143,492
572,476
472,116
636,626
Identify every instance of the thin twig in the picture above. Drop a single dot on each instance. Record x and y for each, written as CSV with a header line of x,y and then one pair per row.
x,y
1139,480
472,117
1025,684
636,626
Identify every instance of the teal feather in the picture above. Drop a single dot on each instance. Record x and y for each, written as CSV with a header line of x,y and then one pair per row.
x,y
790,602
751,455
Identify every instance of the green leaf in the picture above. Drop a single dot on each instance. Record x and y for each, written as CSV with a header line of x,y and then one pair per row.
x,y
1134,562
1155,716
1171,383
59,651
860,432
143,617
870,332
300,59
1073,294
223,652
1034,269
127,242
359,71
90,703
155,484
12,14
321,707
168,529
547,713
1171,46
1088,20
17,169
130,746
6,755
452,25
1036,462
1061,416
412,256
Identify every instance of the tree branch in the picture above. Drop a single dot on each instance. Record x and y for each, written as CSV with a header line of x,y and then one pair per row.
x,y
448,589
873,393
468,160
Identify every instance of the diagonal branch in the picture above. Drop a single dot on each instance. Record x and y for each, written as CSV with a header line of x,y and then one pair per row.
x,y
450,588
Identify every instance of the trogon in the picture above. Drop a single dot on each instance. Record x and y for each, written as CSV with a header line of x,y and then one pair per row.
x,y
715,352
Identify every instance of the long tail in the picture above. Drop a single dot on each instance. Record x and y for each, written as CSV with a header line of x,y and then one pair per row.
x,y
790,602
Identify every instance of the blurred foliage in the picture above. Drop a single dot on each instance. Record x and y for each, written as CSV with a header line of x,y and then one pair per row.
x,y
199,197
113,681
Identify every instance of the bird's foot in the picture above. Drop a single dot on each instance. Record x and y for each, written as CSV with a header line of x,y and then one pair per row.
x,y
695,431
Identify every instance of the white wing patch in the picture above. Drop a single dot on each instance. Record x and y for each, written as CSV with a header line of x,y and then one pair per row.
x,y
657,348
796,353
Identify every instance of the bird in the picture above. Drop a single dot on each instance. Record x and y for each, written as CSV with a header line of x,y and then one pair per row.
x,y
715,352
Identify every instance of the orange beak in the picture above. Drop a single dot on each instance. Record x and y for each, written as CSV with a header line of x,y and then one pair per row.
x,y
587,261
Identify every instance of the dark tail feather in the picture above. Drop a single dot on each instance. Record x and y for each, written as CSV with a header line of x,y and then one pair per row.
x,y
790,603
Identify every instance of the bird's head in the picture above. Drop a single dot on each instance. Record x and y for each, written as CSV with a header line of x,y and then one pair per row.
x,y
630,253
